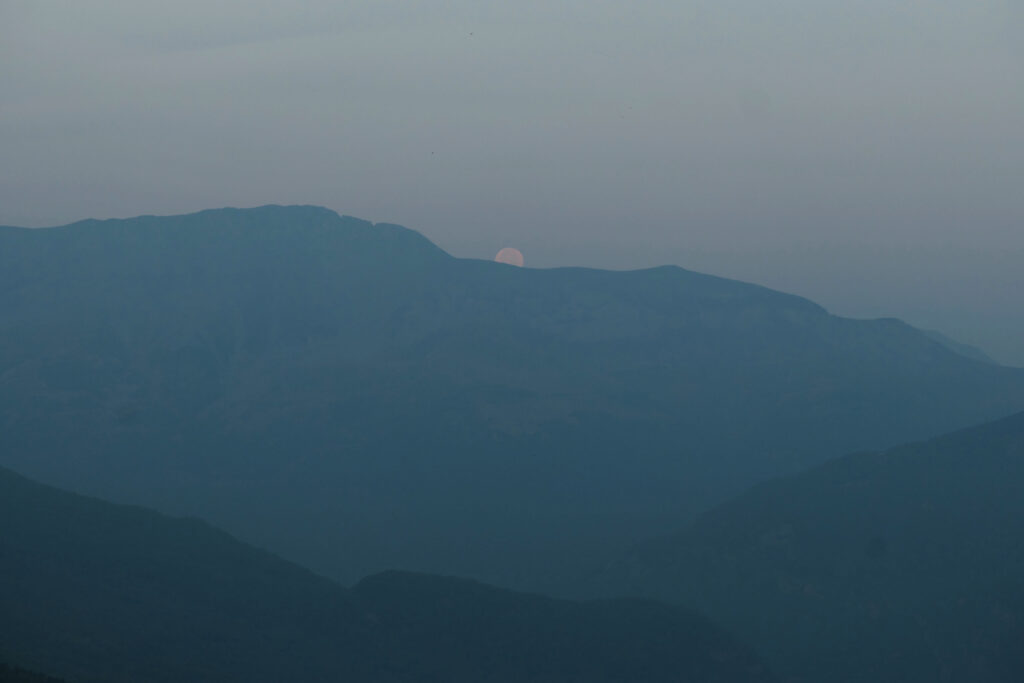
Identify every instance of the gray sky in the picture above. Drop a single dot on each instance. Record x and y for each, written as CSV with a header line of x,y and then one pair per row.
x,y
867,154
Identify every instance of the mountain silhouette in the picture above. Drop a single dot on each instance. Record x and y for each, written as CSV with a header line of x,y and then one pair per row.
x,y
354,398
98,592
905,565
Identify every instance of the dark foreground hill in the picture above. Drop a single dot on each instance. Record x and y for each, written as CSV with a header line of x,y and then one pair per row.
x,y
354,398
98,592
10,674
900,566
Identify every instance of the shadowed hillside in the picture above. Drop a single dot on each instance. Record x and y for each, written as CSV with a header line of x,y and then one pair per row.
x,y
352,397
99,592
900,566
16,675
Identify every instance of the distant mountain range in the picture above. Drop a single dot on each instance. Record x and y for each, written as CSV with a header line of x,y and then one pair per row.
x,y
103,593
354,398
963,349
896,567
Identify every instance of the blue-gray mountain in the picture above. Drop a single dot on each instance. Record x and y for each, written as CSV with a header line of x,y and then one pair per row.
x,y
96,592
903,566
356,399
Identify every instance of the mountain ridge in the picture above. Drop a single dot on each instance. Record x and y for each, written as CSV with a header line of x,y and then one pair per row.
x,y
280,376
900,565
385,231
391,231
98,592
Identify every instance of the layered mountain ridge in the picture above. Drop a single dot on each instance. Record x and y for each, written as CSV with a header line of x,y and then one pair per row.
x,y
96,592
353,397
903,565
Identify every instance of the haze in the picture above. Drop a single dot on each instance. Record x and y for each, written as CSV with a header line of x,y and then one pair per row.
x,y
866,155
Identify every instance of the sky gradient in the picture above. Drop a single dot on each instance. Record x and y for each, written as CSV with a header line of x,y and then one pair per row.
x,y
867,155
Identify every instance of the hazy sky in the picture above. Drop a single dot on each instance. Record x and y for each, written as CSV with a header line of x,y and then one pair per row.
x,y
867,154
